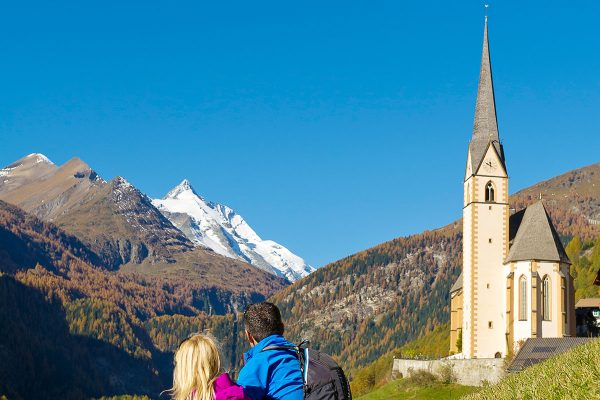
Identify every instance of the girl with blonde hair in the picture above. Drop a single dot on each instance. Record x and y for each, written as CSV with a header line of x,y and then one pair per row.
x,y
197,374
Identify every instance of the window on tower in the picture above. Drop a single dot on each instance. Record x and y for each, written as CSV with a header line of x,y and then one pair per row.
x,y
489,192
523,298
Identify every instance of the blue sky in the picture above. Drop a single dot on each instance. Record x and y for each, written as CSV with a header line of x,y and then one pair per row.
x,y
330,126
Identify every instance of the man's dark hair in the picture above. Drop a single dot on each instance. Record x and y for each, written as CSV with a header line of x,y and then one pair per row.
x,y
263,320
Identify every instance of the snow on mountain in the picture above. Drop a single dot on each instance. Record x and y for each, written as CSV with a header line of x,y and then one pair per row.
x,y
26,162
219,228
27,169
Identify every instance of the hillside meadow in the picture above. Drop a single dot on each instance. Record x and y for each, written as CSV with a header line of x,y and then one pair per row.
x,y
571,375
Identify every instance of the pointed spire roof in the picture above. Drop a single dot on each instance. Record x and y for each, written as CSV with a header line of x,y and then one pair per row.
x,y
486,124
485,127
536,238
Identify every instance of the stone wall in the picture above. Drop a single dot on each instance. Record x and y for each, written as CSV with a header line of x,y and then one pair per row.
x,y
471,372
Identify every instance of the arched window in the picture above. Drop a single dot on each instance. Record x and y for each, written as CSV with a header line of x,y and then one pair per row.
x,y
546,298
489,192
498,355
523,298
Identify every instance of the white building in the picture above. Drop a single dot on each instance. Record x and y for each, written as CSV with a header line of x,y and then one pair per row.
x,y
515,282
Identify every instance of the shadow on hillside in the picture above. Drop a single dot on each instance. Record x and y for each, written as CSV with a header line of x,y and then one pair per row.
x,y
17,252
40,359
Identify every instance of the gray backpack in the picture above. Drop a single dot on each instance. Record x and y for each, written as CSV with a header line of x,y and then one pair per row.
x,y
323,377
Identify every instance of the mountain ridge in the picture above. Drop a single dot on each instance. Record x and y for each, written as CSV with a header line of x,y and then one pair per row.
x,y
124,226
218,227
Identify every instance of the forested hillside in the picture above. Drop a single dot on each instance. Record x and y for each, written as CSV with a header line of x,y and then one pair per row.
x,y
84,331
365,305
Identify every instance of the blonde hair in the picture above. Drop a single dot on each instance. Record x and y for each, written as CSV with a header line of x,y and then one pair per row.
x,y
197,366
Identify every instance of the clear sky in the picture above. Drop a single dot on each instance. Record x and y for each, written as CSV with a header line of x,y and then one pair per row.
x,y
331,126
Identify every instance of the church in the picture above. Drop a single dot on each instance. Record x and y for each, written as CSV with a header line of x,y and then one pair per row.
x,y
515,282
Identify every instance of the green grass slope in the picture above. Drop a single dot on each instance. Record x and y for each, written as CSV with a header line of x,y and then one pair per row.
x,y
572,375
404,389
375,375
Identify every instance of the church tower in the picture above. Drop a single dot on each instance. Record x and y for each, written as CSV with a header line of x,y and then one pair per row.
x,y
485,228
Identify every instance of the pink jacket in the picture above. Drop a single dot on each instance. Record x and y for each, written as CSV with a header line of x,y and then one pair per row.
x,y
225,389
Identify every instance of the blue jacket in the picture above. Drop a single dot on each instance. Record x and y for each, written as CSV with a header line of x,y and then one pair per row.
x,y
272,374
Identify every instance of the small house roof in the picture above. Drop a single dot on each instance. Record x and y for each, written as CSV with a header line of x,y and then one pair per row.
x,y
588,303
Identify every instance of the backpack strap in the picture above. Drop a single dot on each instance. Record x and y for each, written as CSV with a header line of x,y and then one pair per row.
x,y
303,347
301,351
268,348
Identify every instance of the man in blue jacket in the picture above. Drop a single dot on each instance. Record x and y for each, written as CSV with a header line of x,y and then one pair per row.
x,y
269,374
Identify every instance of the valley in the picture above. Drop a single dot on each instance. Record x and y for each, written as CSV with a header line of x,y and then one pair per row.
x,y
122,283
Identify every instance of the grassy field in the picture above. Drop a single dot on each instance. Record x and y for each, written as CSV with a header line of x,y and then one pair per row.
x,y
403,389
572,375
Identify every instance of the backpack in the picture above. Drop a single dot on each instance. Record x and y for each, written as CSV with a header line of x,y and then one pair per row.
x,y
323,378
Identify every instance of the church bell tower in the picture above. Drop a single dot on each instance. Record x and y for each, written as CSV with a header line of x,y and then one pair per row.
x,y
485,227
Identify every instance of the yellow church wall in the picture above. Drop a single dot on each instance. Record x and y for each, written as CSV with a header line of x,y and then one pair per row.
x,y
456,319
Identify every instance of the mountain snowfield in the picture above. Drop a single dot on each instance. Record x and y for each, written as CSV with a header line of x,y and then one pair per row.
x,y
219,228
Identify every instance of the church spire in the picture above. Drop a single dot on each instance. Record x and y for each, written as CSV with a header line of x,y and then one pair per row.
x,y
486,124
485,127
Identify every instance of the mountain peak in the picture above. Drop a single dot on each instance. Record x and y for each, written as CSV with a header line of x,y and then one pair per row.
x,y
184,187
119,181
32,160
185,184
219,228
39,157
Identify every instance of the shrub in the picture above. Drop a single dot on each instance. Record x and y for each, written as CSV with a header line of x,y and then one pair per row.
x,y
446,373
421,378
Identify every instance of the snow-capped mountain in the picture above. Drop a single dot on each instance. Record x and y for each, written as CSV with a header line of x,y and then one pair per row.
x,y
219,228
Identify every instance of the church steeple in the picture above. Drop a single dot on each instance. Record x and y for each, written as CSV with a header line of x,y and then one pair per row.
x,y
485,127
486,124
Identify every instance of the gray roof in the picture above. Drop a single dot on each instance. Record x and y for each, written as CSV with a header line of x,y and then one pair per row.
x,y
485,128
536,238
514,223
593,302
458,284
539,349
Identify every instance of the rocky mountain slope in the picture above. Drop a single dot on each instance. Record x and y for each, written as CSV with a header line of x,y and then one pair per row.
x,y
365,305
120,225
113,218
219,228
